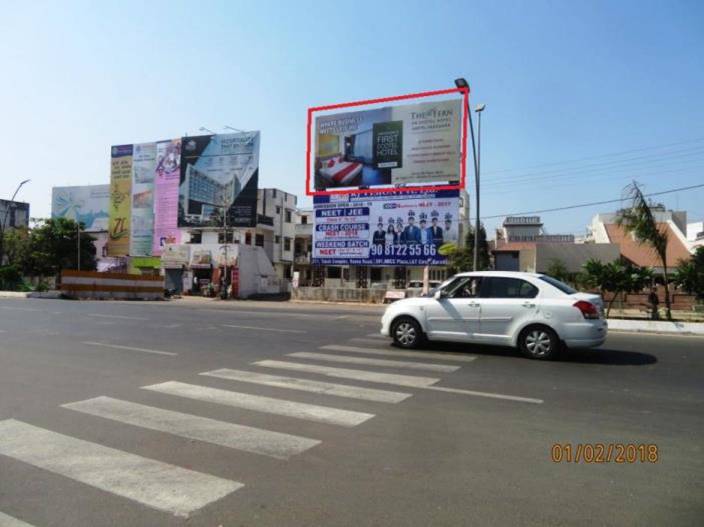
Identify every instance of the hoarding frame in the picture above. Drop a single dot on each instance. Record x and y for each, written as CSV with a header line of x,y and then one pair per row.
x,y
463,152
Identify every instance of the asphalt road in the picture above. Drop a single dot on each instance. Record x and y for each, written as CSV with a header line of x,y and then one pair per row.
x,y
460,437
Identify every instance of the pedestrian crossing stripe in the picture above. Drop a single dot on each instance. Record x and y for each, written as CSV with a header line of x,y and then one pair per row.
x,y
365,361
161,486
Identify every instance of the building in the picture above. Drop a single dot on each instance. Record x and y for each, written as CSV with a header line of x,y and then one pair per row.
x,y
605,229
13,214
523,245
361,276
695,235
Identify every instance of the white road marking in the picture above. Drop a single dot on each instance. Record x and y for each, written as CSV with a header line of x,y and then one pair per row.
x,y
258,403
344,373
375,362
402,353
114,316
12,308
247,438
159,485
9,521
3,331
487,394
266,329
129,348
378,336
305,385
171,325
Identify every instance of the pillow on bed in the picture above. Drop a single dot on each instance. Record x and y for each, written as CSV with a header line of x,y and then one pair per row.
x,y
331,163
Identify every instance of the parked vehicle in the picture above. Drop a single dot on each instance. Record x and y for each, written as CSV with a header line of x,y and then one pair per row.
x,y
534,312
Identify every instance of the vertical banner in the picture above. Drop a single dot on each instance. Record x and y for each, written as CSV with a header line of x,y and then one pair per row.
x,y
120,200
166,179
142,221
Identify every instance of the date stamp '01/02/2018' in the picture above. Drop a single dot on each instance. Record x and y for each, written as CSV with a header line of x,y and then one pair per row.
x,y
604,453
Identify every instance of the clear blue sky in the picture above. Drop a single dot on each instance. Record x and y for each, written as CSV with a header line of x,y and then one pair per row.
x,y
562,81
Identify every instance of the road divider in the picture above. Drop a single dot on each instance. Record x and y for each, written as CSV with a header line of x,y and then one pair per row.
x,y
128,348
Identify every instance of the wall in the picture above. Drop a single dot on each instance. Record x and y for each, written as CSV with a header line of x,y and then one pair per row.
x,y
574,256
110,286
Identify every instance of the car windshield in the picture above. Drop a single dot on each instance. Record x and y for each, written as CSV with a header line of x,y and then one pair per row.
x,y
558,284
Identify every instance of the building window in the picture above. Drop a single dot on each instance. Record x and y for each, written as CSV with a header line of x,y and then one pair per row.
x,y
287,243
196,237
304,220
288,216
375,274
273,192
277,239
278,210
222,238
259,240
334,272
248,238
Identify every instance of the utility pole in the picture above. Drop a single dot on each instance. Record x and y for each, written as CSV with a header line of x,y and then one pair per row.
x,y
78,251
479,109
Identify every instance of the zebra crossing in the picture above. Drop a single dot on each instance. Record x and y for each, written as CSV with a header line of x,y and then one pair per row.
x,y
182,491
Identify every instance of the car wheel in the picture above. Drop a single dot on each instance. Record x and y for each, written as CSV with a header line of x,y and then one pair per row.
x,y
539,342
407,333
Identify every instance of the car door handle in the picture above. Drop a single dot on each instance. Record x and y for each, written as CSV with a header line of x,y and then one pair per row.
x,y
473,304
528,304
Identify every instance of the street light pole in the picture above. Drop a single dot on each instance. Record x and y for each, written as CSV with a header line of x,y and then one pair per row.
x,y
4,219
479,109
78,244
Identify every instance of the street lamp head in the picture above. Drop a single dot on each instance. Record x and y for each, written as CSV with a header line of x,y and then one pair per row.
x,y
227,127
204,129
462,83
480,108
25,181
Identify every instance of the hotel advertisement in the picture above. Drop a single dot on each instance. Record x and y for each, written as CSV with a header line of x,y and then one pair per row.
x,y
120,200
417,143
384,229
88,205
218,181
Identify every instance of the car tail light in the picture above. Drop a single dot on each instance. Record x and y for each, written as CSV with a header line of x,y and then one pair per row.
x,y
588,309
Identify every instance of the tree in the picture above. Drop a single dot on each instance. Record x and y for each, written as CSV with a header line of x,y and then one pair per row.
x,y
462,258
689,274
557,269
53,246
638,220
616,277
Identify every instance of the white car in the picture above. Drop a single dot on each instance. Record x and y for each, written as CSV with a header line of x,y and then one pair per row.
x,y
534,312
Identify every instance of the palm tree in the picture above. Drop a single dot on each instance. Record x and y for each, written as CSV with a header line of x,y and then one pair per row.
x,y
638,220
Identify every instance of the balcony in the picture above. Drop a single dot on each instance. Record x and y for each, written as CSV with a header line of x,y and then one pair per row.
x,y
265,221
301,258
304,229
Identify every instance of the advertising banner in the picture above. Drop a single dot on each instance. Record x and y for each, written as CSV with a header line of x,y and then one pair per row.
x,y
166,179
120,200
88,205
416,143
384,229
219,177
142,221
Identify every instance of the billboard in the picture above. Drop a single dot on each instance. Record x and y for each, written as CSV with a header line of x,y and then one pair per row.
x,y
142,220
87,204
219,176
404,228
120,200
420,146
166,179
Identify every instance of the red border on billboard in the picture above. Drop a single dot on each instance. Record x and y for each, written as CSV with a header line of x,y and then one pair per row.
x,y
419,188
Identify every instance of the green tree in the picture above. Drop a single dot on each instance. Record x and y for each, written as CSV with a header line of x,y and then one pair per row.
x,y
689,274
53,245
462,258
617,278
557,269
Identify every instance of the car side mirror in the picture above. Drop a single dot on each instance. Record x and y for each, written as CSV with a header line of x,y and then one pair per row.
x,y
438,294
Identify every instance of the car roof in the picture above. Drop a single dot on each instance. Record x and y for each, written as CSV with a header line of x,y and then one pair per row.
x,y
505,274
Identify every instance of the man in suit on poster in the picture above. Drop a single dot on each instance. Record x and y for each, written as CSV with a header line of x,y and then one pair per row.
x,y
411,234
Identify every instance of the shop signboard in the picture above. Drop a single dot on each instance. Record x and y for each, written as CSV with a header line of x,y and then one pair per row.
x,y
405,228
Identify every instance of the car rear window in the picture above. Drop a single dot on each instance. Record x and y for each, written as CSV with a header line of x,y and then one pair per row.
x,y
560,285
502,287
